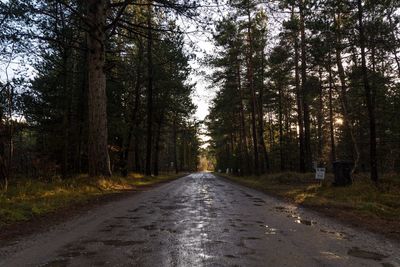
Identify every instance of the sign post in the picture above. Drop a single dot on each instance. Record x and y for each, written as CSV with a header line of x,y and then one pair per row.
x,y
320,174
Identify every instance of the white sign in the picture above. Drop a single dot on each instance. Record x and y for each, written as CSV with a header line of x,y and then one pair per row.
x,y
320,173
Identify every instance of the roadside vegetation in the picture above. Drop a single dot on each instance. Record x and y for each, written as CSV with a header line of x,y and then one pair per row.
x,y
26,199
363,199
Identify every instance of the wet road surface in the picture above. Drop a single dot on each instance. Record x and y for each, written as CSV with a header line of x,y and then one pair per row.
x,y
201,220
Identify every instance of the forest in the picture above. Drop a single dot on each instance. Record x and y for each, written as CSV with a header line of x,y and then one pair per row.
x,y
199,133
101,87
305,84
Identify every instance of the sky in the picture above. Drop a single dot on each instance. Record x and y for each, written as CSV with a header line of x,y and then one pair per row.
x,y
203,45
203,94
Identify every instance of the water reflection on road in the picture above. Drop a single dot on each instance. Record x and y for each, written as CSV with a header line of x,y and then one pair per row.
x,y
202,220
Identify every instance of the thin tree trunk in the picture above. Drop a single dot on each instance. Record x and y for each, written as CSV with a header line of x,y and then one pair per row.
x,y
288,135
174,135
343,92
157,148
304,91
99,160
299,102
245,165
149,92
253,96
134,119
82,112
369,95
3,165
320,118
65,116
265,163
331,127
280,123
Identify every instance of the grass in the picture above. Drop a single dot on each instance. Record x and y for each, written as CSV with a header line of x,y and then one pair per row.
x,y
26,199
362,198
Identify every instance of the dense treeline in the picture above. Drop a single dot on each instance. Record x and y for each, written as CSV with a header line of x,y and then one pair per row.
x,y
307,82
106,90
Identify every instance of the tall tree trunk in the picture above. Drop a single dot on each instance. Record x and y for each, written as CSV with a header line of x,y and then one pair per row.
x,y
343,91
157,148
299,102
82,113
331,127
369,95
288,135
280,122
3,165
99,160
320,118
149,92
265,163
250,80
65,115
174,135
304,91
245,163
134,119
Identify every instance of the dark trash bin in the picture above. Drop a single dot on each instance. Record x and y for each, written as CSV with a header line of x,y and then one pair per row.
x,y
342,170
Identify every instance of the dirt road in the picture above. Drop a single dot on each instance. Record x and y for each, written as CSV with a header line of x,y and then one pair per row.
x,y
201,220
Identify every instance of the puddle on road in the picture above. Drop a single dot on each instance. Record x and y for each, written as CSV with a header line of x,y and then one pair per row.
x,y
338,235
110,227
121,243
71,254
271,231
135,210
174,207
365,254
230,256
172,231
387,264
150,227
122,217
258,200
253,238
305,222
56,263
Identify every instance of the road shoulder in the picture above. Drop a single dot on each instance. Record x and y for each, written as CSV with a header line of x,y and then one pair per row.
x,y
10,233
388,228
